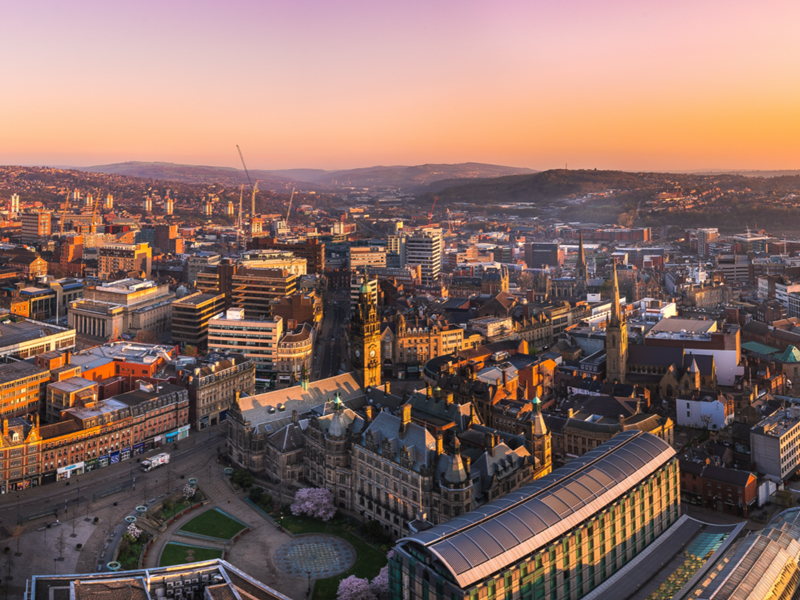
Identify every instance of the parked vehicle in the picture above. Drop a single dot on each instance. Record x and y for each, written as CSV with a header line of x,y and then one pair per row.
x,y
151,463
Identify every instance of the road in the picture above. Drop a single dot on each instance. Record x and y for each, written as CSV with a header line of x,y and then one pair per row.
x,y
331,343
78,495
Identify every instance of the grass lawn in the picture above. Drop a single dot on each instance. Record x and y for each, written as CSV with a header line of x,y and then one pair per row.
x,y
213,524
369,560
177,554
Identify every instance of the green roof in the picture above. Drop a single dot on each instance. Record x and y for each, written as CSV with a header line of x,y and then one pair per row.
x,y
751,346
790,355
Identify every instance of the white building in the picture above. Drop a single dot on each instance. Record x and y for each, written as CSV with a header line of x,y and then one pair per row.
x,y
653,311
424,248
356,281
773,443
256,339
705,412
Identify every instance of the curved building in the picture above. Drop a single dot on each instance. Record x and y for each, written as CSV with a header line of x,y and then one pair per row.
x,y
558,537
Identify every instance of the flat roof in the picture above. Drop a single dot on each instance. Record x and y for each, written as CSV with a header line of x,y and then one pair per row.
x,y
12,334
504,531
678,325
17,370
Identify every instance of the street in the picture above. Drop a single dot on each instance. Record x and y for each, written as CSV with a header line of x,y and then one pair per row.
x,y
330,347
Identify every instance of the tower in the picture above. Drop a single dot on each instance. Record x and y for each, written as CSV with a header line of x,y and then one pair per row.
x,y
581,272
616,338
169,206
365,340
538,440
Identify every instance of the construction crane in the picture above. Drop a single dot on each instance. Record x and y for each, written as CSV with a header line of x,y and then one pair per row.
x,y
253,209
430,214
239,229
245,166
94,214
289,210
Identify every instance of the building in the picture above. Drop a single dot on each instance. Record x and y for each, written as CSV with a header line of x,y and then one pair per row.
x,y
165,237
29,264
213,383
360,257
558,537
23,388
706,237
407,346
312,250
493,329
126,307
719,488
357,282
364,338
773,444
126,258
201,261
295,350
299,308
233,333
424,248
210,579
705,410
616,338
66,394
27,338
35,226
275,259
540,255
249,288
190,317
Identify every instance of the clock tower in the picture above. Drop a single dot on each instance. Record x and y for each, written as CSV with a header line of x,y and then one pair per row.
x,y
365,340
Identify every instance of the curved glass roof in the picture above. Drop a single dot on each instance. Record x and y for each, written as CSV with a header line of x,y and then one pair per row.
x,y
506,530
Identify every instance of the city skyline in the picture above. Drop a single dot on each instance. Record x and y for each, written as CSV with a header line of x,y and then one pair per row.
x,y
591,85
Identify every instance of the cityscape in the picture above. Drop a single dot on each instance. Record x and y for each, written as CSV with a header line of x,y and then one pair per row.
x,y
280,320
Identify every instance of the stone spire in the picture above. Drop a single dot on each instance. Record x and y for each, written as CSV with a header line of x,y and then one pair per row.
x,y
616,311
581,272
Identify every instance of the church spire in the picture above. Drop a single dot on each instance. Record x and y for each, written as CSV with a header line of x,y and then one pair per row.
x,y
616,311
581,272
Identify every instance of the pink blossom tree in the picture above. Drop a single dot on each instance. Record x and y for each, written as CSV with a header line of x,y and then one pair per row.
x,y
355,588
380,585
314,502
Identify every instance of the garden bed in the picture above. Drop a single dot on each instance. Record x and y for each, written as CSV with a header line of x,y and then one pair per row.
x,y
214,524
181,554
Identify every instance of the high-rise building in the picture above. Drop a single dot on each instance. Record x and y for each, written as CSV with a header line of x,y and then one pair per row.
x,y
109,202
88,202
163,236
558,537
424,248
257,339
169,206
35,226
705,237
113,258
229,209
208,209
190,317
311,249
539,255
147,205
14,204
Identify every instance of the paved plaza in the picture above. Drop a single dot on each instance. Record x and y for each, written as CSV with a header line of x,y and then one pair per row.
x,y
321,555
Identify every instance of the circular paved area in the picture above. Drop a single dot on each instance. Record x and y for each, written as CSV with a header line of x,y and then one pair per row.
x,y
323,555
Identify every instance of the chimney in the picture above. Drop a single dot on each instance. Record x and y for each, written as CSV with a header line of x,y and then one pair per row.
x,y
295,418
68,357
570,413
387,388
439,443
622,420
505,378
405,418
368,413
237,396
489,443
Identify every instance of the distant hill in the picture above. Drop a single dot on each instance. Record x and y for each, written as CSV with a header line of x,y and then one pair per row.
x,y
408,178
546,186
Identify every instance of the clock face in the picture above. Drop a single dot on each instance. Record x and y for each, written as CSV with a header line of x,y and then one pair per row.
x,y
372,353
358,352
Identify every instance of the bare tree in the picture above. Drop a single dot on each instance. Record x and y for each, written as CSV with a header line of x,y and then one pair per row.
x,y
17,534
705,420
61,543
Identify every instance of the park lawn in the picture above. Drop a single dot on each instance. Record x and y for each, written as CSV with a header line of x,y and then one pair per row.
x,y
176,554
213,524
369,560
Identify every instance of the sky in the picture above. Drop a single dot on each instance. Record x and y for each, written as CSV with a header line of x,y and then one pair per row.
x,y
617,84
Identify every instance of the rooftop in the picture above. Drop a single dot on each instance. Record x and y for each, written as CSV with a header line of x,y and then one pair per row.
x,y
17,370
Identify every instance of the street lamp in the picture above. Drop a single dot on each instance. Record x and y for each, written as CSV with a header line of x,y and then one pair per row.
x,y
19,519
308,591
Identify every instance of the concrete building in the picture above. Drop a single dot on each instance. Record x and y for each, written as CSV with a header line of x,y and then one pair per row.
x,y
299,308
66,394
571,531
539,255
359,257
199,262
275,259
357,281
705,411
312,250
190,317
250,288
27,338
126,258
424,248
233,333
774,442
35,226
127,306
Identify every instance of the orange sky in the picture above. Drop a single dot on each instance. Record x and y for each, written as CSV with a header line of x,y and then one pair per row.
x,y
616,84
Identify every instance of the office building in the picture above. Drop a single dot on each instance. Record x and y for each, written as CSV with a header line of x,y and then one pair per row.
x,y
312,250
35,226
234,333
190,317
109,202
539,255
357,281
113,259
13,205
29,338
558,537
773,444
706,237
147,204
198,262
23,386
359,257
424,248
250,288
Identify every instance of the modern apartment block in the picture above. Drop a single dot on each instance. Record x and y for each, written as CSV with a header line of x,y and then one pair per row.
x,y
773,443
424,248
190,317
113,258
256,339
556,538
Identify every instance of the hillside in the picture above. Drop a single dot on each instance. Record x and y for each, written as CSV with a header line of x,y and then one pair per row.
x,y
407,178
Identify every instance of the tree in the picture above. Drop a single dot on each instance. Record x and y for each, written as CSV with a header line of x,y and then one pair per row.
x,y
525,281
188,492
244,479
17,534
146,337
61,543
380,585
355,588
314,502
706,419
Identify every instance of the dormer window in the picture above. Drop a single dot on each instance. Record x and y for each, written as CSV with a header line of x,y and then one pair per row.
x,y
15,437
